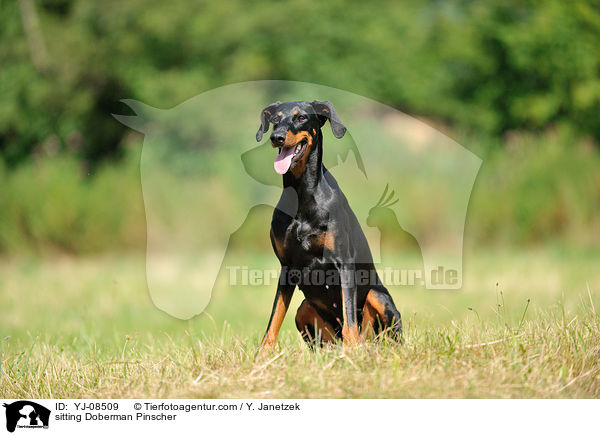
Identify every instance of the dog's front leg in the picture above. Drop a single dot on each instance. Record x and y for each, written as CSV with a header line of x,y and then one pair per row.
x,y
349,292
280,307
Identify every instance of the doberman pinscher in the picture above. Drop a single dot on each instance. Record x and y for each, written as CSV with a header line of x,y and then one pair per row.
x,y
317,238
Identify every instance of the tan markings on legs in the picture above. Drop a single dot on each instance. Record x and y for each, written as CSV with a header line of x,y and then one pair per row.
x,y
349,333
373,315
369,321
377,305
282,302
306,320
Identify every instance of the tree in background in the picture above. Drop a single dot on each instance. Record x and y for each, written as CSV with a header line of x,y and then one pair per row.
x,y
487,67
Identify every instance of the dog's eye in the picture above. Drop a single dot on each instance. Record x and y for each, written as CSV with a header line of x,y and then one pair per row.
x,y
301,118
276,119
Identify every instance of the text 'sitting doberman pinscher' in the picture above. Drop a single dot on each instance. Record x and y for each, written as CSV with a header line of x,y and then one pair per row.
x,y
315,230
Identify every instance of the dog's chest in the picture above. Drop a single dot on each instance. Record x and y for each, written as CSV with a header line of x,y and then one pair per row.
x,y
303,235
302,241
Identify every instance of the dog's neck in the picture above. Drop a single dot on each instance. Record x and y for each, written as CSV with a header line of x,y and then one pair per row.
x,y
307,183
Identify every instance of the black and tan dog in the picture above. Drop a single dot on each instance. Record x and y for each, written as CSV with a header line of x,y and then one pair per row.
x,y
317,238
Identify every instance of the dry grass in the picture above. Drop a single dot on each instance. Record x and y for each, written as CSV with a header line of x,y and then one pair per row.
x,y
553,357
57,345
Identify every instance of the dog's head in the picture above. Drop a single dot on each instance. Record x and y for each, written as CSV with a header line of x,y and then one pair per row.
x,y
296,126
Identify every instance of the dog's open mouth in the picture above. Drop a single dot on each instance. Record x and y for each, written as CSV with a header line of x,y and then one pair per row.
x,y
288,155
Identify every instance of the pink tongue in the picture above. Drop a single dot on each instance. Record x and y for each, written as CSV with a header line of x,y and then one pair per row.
x,y
284,160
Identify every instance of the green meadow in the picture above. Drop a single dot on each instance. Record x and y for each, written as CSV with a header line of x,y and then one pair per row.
x,y
525,325
516,83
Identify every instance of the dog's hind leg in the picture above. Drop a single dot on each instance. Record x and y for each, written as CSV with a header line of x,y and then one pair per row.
x,y
371,321
312,326
379,309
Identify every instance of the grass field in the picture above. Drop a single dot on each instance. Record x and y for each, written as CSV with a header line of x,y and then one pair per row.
x,y
86,327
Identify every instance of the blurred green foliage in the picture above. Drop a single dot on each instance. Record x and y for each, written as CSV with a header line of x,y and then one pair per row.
x,y
538,189
488,71
51,205
487,66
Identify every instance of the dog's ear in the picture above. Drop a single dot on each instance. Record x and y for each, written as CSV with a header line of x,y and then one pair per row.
x,y
325,108
265,117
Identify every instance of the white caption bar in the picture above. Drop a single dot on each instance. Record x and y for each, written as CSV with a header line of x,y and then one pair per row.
x,y
248,416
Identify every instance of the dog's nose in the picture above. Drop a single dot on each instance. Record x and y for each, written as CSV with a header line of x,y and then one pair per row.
x,y
277,138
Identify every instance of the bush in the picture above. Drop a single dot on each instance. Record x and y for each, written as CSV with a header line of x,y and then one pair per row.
x,y
537,189
489,66
51,203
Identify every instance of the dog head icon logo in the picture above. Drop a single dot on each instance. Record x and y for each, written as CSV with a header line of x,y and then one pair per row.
x,y
26,414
